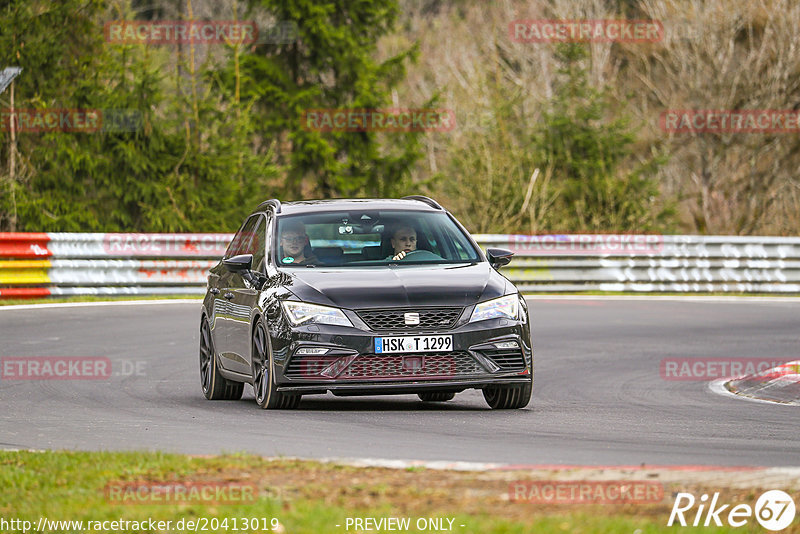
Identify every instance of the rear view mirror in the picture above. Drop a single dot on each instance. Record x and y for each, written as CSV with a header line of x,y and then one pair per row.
x,y
499,256
238,264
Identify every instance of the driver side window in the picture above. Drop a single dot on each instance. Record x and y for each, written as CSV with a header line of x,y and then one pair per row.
x,y
258,245
243,238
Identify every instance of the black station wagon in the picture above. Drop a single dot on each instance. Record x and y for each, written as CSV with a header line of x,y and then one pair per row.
x,y
362,297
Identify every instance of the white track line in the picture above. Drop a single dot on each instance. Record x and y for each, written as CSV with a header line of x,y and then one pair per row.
x,y
455,465
100,303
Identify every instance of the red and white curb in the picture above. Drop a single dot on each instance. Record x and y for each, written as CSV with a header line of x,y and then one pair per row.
x,y
776,380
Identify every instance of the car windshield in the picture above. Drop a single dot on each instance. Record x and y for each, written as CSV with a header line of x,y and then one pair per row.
x,y
360,238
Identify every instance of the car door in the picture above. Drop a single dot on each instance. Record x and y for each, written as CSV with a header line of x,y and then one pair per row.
x,y
243,300
224,308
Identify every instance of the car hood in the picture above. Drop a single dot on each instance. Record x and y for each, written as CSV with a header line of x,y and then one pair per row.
x,y
412,285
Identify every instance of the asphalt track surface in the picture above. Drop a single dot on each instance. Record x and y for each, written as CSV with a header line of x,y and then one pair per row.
x,y
599,398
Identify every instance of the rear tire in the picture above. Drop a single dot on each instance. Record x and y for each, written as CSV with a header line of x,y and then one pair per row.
x,y
437,396
267,395
215,386
508,397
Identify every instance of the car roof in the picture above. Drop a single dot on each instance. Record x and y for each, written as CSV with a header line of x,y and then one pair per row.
x,y
348,204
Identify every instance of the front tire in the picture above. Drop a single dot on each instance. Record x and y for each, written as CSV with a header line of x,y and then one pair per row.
x,y
215,386
436,396
508,397
267,395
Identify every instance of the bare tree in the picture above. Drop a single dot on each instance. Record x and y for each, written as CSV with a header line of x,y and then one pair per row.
x,y
724,56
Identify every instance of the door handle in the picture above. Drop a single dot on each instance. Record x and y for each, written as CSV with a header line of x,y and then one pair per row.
x,y
214,291
228,296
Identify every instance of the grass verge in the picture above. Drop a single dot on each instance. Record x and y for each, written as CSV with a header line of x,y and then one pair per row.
x,y
308,497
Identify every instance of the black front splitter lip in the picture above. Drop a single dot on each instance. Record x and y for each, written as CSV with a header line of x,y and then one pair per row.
x,y
399,388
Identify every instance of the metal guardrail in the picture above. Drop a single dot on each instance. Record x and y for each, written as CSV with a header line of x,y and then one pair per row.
x,y
652,263
44,264
60,264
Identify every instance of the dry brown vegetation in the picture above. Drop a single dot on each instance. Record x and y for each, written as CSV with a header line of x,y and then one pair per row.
x,y
742,54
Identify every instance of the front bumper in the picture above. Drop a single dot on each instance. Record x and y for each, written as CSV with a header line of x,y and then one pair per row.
x,y
402,388
351,367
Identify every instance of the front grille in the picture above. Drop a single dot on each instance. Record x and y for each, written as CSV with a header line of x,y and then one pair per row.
x,y
431,365
507,360
440,365
394,319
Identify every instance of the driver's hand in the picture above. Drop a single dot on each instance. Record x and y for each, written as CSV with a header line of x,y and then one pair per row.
x,y
400,255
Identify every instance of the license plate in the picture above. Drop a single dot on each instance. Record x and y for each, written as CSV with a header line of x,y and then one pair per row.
x,y
386,345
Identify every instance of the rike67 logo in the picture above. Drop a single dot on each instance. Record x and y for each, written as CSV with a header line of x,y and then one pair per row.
x,y
774,510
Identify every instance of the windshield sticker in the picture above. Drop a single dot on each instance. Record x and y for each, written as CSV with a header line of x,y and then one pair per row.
x,y
288,259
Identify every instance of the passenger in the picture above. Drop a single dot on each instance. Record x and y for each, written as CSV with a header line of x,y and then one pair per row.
x,y
404,240
295,244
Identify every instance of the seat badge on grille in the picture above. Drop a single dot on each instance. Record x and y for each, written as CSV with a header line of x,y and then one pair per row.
x,y
411,318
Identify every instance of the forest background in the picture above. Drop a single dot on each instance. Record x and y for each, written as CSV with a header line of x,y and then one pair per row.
x,y
549,137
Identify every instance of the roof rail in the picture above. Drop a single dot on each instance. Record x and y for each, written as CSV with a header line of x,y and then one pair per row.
x,y
429,201
274,202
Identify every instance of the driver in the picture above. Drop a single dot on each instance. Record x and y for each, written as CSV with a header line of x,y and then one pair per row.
x,y
404,240
293,244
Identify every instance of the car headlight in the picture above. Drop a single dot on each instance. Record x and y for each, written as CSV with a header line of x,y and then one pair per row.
x,y
305,313
503,308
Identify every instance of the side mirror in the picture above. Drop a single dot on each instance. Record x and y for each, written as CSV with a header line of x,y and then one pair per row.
x,y
499,257
239,264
